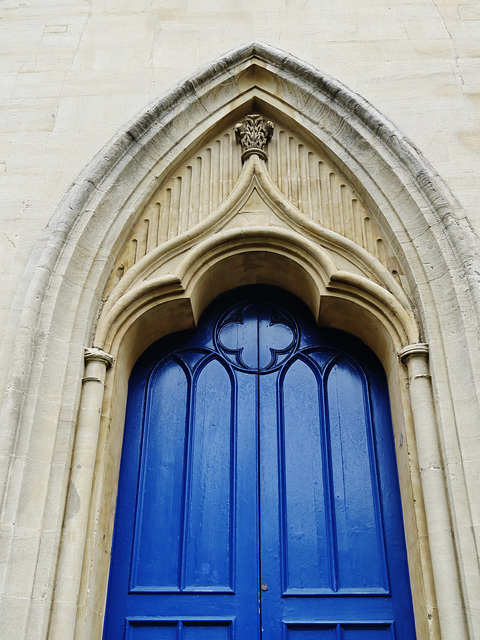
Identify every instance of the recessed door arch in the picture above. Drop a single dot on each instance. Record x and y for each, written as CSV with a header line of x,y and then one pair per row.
x,y
258,494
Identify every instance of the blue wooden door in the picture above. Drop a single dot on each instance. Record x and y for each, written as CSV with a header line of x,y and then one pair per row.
x,y
258,494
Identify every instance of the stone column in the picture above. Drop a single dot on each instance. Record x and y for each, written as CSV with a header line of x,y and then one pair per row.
x,y
439,527
78,497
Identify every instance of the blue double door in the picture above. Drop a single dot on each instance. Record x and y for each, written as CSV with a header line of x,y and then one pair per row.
x,y
258,494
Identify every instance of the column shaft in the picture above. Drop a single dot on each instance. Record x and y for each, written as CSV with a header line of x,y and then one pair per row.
x,y
441,542
78,497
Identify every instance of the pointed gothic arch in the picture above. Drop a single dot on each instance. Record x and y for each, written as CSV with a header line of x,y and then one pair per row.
x,y
62,305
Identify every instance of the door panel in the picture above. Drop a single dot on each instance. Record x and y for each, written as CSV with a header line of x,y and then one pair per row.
x,y
160,502
340,632
304,486
181,630
258,496
209,497
357,520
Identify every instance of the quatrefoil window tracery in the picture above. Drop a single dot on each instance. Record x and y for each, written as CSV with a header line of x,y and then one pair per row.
x,y
256,336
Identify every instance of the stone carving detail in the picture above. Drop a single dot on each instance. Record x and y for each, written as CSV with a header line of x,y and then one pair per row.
x,y
302,172
195,189
254,133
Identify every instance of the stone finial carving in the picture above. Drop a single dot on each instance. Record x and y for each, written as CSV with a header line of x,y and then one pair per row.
x,y
254,133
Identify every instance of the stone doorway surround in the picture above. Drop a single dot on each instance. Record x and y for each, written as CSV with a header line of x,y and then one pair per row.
x,y
343,212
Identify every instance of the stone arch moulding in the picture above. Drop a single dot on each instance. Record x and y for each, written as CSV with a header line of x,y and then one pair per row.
x,y
62,434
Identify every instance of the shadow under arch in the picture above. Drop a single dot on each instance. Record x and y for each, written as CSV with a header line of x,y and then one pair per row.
x,y
62,296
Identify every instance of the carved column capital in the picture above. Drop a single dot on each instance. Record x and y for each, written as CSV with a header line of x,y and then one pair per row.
x,y
413,350
99,355
254,133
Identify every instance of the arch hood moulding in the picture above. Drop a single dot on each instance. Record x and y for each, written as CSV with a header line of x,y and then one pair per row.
x,y
345,213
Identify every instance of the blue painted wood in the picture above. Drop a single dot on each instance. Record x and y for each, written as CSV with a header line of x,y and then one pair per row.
x,y
210,499
184,629
152,631
360,549
258,450
340,632
306,509
160,487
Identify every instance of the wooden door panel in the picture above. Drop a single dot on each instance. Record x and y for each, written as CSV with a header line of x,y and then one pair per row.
x,y
367,632
339,632
209,495
360,551
150,630
183,511
304,486
160,503
200,629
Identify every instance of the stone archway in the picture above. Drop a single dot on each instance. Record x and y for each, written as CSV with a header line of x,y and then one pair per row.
x,y
428,290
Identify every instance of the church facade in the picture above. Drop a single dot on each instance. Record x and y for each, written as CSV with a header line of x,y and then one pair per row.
x,y
257,171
